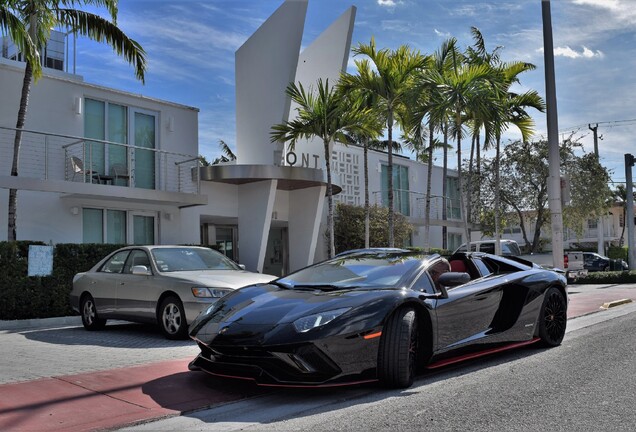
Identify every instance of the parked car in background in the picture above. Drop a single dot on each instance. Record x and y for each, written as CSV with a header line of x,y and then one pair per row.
x,y
166,285
595,262
508,247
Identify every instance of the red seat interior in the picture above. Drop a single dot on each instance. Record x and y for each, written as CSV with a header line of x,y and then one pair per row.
x,y
458,266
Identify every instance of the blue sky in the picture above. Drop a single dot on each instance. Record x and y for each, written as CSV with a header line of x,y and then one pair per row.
x,y
191,45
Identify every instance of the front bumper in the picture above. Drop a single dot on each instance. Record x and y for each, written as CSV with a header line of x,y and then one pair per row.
x,y
327,362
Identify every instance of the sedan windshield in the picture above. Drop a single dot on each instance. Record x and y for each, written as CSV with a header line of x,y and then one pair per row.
x,y
189,259
358,270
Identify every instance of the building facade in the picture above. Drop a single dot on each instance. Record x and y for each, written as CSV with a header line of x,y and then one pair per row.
x,y
99,165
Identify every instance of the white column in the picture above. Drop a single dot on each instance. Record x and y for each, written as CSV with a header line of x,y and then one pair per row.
x,y
256,202
305,214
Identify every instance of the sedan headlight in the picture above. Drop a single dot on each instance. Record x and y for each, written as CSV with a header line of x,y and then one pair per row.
x,y
204,292
305,324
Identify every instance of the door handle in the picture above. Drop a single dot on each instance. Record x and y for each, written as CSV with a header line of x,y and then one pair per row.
x,y
122,283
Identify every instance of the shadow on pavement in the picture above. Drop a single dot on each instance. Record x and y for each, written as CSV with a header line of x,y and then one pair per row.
x,y
190,391
125,335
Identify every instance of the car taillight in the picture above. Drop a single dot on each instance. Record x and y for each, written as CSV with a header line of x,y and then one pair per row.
x,y
565,261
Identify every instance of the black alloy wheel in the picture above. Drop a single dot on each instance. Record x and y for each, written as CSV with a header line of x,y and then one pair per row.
x,y
90,318
397,355
172,319
553,318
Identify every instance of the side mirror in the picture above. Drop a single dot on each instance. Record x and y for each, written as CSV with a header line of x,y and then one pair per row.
x,y
453,279
141,270
242,266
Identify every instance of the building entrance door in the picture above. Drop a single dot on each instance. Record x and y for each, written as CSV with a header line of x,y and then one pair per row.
x,y
276,259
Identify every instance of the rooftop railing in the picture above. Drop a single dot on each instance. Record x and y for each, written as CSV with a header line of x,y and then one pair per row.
x,y
48,156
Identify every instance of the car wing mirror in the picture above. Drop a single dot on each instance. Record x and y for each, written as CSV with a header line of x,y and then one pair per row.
x,y
141,270
242,266
453,279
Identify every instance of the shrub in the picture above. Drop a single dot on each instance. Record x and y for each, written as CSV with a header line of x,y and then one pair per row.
x,y
611,277
349,227
25,297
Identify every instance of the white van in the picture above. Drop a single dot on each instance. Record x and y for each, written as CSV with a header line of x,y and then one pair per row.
x,y
508,247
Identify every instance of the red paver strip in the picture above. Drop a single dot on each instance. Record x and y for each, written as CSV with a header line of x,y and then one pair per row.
x,y
583,303
112,398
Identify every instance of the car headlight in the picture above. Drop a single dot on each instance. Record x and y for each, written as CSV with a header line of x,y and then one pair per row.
x,y
203,292
309,322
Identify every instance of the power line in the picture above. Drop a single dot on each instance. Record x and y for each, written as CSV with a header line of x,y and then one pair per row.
x,y
612,123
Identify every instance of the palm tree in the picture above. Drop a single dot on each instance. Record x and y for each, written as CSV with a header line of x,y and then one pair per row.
x,y
227,155
427,98
367,101
389,79
464,90
327,114
39,17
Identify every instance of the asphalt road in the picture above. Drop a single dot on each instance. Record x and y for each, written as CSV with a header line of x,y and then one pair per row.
x,y
586,384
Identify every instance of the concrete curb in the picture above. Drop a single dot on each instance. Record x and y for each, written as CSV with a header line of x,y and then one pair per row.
x,y
41,322
616,303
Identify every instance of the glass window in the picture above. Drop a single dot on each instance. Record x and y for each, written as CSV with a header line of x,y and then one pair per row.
x,y
483,268
453,207
92,225
116,263
184,259
454,241
400,188
144,159
137,257
116,226
94,127
143,230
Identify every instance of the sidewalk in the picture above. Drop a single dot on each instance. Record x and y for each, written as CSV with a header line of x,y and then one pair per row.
x,y
68,379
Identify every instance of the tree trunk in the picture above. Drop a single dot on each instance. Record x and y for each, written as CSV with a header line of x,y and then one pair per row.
x,y
390,179
332,243
445,190
13,193
497,203
429,174
366,192
462,205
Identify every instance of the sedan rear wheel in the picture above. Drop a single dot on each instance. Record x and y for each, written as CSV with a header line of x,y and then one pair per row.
x,y
90,318
172,319
398,349
553,318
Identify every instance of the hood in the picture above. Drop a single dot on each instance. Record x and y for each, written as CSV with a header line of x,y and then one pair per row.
x,y
271,305
221,278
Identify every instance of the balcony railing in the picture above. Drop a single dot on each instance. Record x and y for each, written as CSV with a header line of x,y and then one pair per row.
x,y
46,156
413,204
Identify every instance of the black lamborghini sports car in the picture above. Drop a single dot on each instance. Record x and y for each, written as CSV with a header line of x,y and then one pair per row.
x,y
379,315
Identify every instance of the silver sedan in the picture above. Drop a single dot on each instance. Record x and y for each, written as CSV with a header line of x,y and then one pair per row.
x,y
167,285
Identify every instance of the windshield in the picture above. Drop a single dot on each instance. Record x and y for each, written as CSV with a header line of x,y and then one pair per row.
x,y
359,270
188,259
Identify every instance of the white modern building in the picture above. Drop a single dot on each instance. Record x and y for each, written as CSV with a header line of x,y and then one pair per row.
x,y
101,165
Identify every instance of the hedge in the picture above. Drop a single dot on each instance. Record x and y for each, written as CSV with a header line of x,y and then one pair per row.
x,y
610,277
26,297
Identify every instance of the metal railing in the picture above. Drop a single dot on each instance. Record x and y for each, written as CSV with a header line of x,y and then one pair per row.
x,y
413,204
47,156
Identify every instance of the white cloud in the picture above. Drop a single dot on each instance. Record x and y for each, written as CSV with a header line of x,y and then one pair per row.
x,y
442,34
614,5
566,51
388,3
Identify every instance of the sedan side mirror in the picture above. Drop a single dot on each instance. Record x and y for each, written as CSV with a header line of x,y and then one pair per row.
x,y
242,266
141,270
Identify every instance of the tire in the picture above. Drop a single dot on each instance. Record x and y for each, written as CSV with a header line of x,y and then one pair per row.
x,y
172,319
553,318
90,318
398,349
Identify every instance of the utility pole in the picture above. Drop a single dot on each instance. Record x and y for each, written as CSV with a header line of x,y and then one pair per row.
x,y
554,160
631,257
599,222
